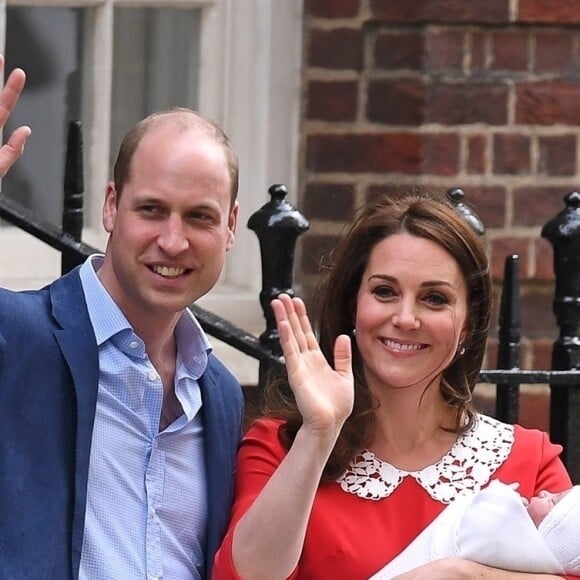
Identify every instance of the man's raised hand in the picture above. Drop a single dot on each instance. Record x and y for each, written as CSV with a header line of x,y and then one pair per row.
x,y
11,151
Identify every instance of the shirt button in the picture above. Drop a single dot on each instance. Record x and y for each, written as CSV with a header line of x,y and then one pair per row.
x,y
134,344
152,376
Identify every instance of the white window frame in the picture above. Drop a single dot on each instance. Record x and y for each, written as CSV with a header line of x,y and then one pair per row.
x,y
250,83
249,80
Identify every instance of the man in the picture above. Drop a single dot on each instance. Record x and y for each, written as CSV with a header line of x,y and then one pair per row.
x,y
118,427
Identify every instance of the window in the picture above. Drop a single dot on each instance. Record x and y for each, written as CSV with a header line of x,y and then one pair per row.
x,y
110,62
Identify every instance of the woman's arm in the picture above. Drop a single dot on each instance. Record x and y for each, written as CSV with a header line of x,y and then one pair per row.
x,y
269,537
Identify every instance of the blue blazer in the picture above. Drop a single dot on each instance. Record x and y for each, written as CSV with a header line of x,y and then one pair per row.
x,y
49,372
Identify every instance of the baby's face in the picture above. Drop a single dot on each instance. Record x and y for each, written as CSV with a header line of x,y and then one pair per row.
x,y
539,506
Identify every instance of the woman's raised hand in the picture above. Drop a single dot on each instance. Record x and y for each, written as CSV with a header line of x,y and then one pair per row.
x,y
324,395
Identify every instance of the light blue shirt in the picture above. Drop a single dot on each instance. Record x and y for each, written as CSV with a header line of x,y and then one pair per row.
x,y
147,493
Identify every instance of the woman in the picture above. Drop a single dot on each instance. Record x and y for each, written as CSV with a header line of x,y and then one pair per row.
x,y
381,433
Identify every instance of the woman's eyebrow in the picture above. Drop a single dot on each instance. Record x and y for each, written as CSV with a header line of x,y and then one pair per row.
x,y
424,284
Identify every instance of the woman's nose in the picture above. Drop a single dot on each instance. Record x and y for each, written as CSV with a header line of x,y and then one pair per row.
x,y
406,317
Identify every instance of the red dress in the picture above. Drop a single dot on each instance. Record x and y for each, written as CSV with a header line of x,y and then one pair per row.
x,y
361,522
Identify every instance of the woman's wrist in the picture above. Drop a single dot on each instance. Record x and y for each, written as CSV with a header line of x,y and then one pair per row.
x,y
318,440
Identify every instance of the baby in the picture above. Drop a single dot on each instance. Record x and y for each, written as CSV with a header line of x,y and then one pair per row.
x,y
497,528
541,505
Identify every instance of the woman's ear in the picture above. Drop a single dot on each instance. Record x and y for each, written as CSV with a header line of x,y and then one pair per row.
x,y
464,335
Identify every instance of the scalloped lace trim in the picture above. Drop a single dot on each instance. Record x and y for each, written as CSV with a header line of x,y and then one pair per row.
x,y
465,469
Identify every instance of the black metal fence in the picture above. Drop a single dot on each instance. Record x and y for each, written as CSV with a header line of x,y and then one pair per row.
x,y
278,225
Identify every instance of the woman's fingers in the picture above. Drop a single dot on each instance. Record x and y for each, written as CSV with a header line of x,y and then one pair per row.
x,y
306,325
288,342
293,311
343,355
296,321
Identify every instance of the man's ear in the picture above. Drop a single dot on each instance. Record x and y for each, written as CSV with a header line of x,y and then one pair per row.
x,y
110,207
232,225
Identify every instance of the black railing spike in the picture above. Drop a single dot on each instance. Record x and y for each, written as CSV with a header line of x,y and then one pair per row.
x,y
277,225
456,195
563,232
72,215
507,396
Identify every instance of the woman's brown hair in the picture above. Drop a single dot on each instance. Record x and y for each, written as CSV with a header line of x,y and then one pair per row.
x,y
428,215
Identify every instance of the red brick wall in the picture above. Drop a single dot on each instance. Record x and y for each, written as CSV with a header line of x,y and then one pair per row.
x,y
482,95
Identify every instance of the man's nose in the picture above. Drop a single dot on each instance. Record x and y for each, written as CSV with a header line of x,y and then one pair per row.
x,y
173,237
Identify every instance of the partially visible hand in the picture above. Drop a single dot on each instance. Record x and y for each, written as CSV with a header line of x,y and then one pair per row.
x,y
444,569
324,395
11,151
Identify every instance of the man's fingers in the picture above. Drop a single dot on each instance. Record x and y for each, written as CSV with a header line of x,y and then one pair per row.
x,y
18,138
11,93
11,151
16,80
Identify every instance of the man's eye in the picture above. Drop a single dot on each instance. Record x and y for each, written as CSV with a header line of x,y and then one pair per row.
x,y
201,217
150,209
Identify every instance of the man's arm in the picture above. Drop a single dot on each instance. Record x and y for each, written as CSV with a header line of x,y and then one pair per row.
x,y
11,151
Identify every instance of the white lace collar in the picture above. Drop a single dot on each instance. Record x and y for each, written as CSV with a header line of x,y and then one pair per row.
x,y
465,469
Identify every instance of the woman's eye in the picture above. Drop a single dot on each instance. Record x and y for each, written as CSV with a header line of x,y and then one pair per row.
x,y
436,299
383,292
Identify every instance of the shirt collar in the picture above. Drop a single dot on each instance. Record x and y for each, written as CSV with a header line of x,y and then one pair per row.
x,y
106,317
108,321
193,347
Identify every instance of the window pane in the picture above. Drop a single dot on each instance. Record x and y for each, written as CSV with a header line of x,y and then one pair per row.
x,y
156,64
46,43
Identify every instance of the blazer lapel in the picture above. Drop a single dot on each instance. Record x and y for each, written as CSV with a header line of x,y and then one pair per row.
x,y
78,345
219,460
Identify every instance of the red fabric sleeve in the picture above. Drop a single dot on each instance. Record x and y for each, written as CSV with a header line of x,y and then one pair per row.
x,y
534,464
553,474
258,458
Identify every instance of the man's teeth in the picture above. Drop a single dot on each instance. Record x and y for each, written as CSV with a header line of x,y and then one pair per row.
x,y
167,271
404,347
